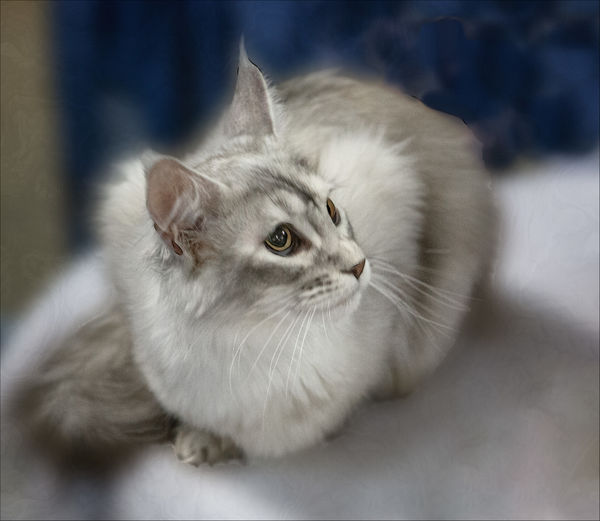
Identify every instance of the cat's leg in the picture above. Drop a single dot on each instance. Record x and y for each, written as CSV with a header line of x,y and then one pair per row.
x,y
195,446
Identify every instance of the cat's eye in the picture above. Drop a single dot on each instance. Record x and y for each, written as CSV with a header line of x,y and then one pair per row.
x,y
333,213
281,240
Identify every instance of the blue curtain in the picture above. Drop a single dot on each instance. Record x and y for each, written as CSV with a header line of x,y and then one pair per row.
x,y
523,75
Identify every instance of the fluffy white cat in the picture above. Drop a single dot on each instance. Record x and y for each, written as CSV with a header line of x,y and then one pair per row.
x,y
320,247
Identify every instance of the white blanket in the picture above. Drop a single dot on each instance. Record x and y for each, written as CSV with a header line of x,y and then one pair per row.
x,y
506,428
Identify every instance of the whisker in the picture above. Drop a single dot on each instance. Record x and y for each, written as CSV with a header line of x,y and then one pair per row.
x,y
267,343
294,352
440,298
280,344
434,294
279,305
239,348
272,368
324,327
442,292
314,309
404,296
397,301
445,293
394,301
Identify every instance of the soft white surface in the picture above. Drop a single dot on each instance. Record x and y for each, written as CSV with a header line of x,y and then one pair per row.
x,y
507,428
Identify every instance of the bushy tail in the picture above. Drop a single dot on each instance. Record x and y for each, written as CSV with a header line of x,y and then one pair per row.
x,y
89,398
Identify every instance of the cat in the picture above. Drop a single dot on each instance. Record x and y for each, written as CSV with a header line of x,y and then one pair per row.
x,y
320,247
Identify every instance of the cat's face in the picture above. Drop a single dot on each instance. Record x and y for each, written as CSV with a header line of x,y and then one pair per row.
x,y
280,238
258,224
269,235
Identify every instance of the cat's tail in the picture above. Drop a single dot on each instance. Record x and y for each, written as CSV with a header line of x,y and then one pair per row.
x,y
88,400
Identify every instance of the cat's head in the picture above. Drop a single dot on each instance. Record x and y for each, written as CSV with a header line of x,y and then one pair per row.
x,y
250,222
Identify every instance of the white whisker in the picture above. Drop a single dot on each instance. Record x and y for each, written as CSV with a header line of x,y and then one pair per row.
x,y
403,295
314,309
287,382
435,294
325,327
267,343
272,367
400,303
239,348
440,291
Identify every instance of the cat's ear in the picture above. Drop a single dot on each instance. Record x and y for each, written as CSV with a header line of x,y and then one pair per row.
x,y
178,201
252,109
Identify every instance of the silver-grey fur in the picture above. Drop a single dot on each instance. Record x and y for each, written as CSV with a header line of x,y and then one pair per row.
x,y
88,399
274,352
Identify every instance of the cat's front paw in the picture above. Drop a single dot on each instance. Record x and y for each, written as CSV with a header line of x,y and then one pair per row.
x,y
196,447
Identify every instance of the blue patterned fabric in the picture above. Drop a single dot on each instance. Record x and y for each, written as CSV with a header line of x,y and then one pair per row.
x,y
523,75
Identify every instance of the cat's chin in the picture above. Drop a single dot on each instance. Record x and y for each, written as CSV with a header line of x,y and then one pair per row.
x,y
345,306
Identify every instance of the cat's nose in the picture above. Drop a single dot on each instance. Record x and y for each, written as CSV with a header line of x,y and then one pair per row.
x,y
357,269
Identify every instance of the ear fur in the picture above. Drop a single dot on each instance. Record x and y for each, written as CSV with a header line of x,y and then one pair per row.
x,y
251,112
178,199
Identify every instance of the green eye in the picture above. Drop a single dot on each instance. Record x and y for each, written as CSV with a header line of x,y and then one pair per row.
x,y
281,240
333,213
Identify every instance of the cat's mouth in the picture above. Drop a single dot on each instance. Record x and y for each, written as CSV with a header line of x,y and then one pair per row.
x,y
341,304
344,297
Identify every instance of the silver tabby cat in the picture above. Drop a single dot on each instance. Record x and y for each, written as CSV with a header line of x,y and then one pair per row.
x,y
319,248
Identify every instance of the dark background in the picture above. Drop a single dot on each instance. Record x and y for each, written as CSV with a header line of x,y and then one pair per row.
x,y
523,75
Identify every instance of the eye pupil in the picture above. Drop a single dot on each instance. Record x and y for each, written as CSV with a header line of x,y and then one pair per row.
x,y
278,237
281,240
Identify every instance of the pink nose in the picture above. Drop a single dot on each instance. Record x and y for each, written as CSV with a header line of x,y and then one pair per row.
x,y
358,269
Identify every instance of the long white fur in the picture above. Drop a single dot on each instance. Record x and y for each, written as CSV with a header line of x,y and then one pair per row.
x,y
275,386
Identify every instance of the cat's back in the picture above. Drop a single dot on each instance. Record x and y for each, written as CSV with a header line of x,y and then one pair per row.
x,y
333,101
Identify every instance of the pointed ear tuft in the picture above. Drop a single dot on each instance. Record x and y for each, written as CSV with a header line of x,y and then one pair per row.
x,y
251,111
177,200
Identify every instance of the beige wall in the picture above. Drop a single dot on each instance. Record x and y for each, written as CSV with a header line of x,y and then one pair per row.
x,y
32,202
